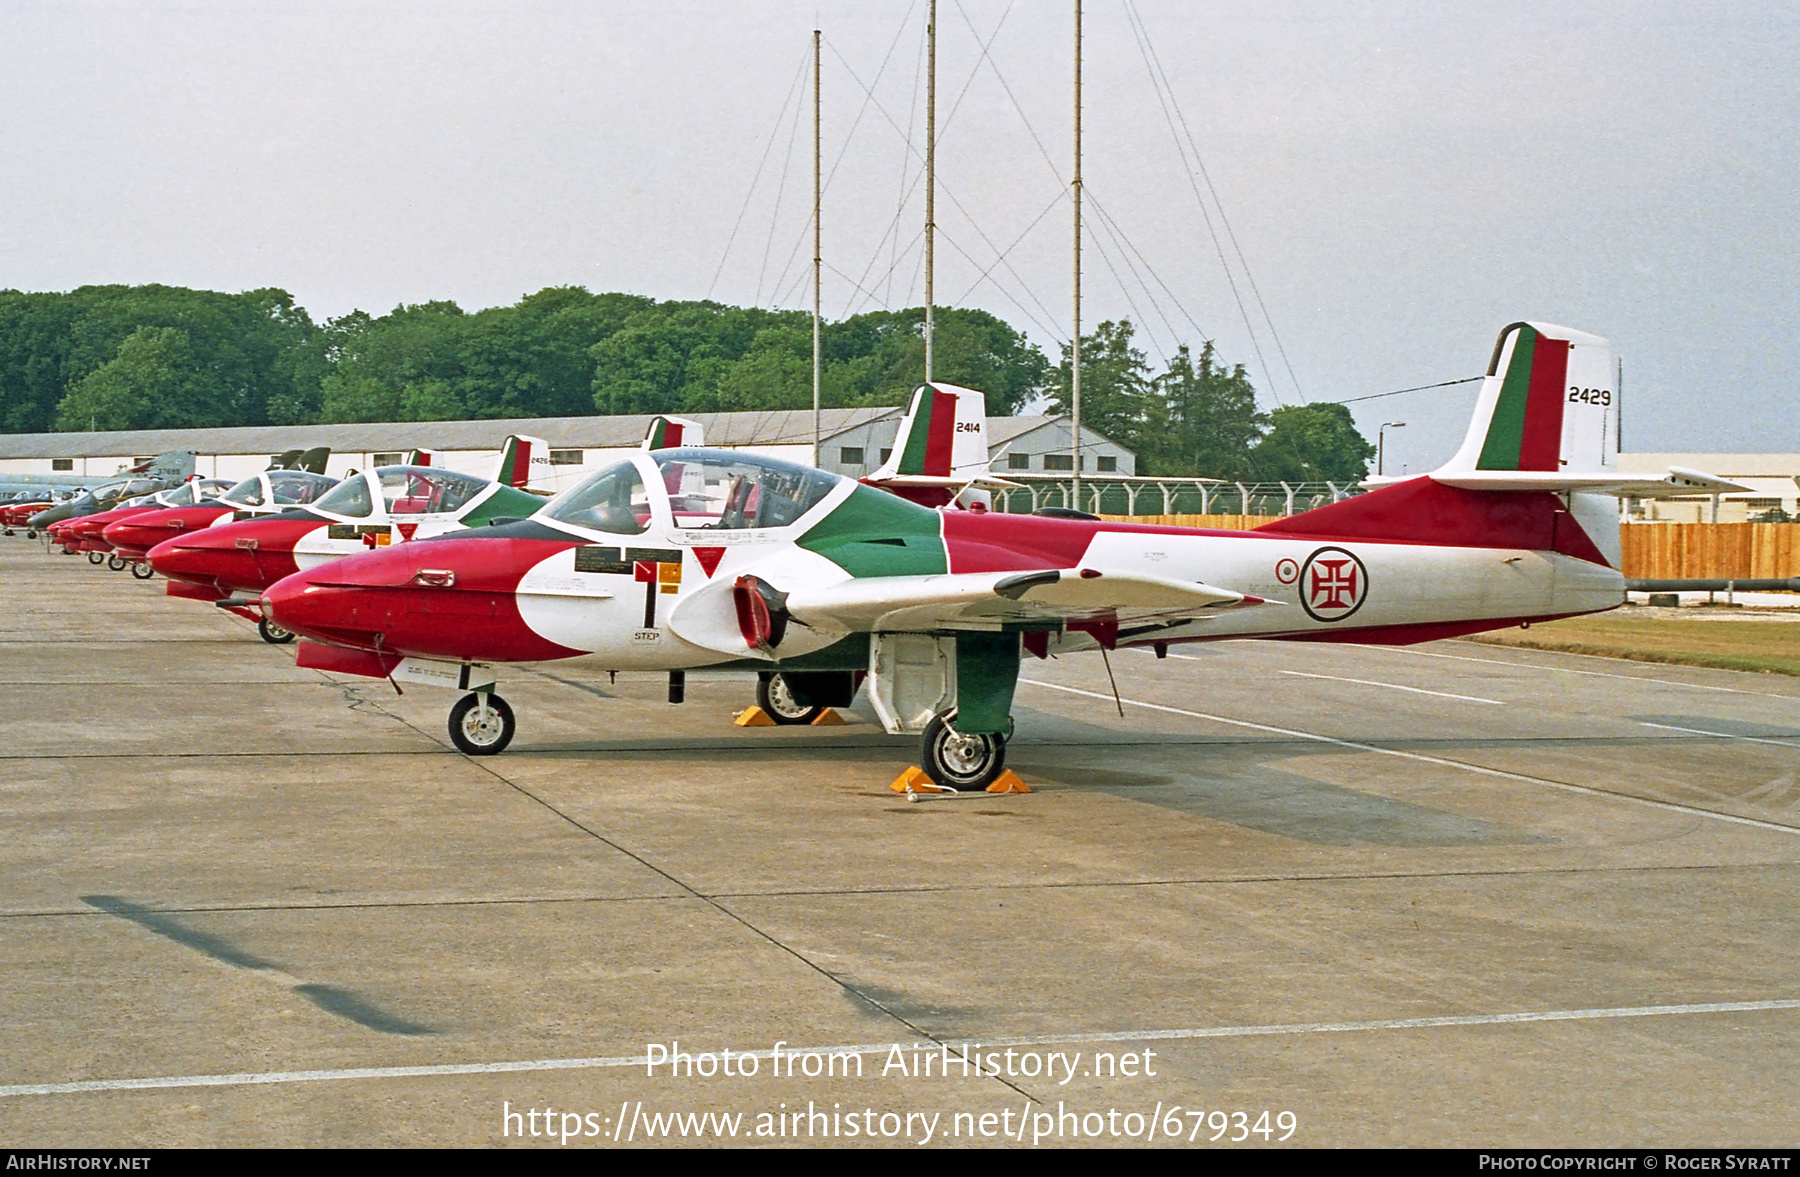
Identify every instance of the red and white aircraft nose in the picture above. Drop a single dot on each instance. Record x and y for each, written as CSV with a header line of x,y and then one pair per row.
x,y
136,534
442,598
247,556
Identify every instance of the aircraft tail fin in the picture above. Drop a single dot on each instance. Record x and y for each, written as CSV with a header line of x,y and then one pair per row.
x,y
313,460
667,433
174,466
523,462
943,436
1545,430
1549,406
284,460
421,458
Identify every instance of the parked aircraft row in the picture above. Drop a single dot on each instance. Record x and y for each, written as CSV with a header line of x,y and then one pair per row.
x,y
683,559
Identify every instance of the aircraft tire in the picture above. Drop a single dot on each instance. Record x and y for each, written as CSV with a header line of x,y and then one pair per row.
x,y
115,563
966,764
93,557
474,736
141,570
274,634
779,704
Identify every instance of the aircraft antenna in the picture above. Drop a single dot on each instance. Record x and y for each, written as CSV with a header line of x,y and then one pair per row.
x,y
930,173
817,256
1075,344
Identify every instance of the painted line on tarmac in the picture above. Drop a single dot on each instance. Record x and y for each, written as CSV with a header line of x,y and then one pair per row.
x,y
1670,806
260,1078
1394,686
1667,682
1700,731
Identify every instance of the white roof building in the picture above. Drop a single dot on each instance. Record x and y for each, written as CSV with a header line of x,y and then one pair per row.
x,y
854,442
1772,477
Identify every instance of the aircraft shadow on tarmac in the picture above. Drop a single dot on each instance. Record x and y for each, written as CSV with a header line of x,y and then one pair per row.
x,y
1711,725
339,1002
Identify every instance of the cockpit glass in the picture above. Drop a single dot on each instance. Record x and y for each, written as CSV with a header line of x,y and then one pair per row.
x,y
248,493
420,490
614,500
209,488
349,498
294,487
142,486
715,489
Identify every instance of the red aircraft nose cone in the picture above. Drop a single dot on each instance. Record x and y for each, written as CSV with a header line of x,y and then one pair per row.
x,y
247,556
451,598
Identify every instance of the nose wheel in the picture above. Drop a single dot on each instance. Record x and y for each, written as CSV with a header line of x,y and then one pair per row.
x,y
966,763
141,569
116,562
96,557
274,634
777,701
481,724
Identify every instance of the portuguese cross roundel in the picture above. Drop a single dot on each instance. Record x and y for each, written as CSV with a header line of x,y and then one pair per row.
x,y
1333,584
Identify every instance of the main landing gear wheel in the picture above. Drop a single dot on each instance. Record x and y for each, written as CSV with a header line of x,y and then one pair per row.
x,y
115,562
774,697
141,570
965,763
94,557
481,724
274,634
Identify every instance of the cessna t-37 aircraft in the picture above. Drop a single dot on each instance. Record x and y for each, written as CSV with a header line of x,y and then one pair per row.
x,y
222,562
88,533
694,559
303,478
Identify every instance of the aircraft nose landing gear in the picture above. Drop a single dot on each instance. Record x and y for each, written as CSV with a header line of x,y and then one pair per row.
x,y
274,634
776,697
96,557
481,724
966,763
141,570
115,562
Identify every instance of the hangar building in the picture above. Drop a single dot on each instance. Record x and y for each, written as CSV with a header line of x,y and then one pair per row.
x,y
854,442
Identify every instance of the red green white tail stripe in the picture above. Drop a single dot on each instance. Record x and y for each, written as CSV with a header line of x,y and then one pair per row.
x,y
1525,432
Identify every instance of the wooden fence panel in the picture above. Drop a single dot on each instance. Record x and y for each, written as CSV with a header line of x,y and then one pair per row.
x,y
1711,551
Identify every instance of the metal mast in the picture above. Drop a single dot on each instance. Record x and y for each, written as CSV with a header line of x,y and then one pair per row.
x,y
818,260
930,173
1075,347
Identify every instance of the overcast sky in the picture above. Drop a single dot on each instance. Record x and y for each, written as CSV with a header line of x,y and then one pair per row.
x,y
1403,179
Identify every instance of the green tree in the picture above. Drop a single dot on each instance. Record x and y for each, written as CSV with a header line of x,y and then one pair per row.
x,y
150,384
1203,419
1117,391
1313,443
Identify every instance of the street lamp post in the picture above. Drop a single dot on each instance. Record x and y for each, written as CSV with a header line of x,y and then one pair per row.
x,y
1381,445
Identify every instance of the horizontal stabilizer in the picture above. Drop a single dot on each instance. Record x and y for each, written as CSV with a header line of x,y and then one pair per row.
x,y
1679,482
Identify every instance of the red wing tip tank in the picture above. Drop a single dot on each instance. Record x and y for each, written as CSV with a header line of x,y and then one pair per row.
x,y
691,559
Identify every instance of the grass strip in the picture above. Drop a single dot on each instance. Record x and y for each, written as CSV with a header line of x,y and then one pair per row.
x,y
1765,647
